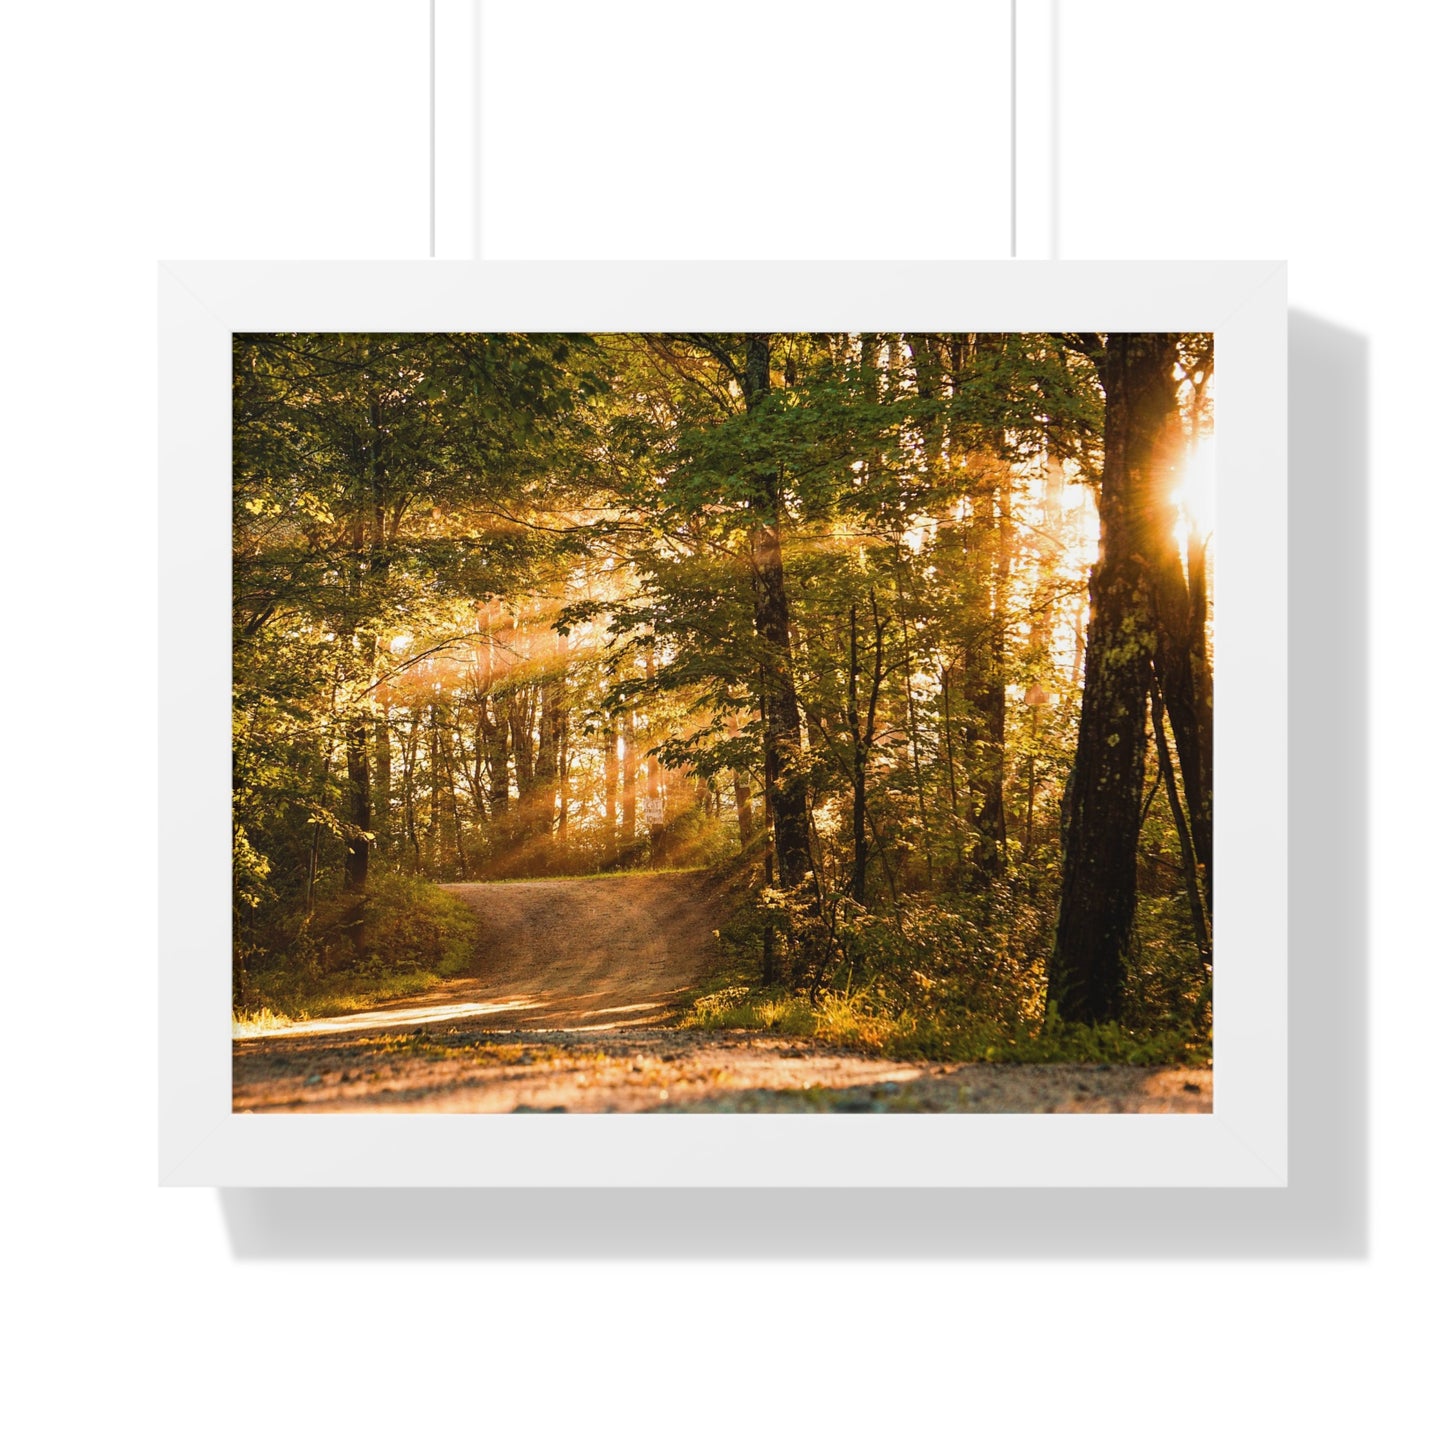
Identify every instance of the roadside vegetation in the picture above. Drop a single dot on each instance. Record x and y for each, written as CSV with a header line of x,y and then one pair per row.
x,y
408,937
952,981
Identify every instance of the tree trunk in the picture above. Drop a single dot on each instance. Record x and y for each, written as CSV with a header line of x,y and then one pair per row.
x,y
743,800
522,722
858,770
782,722
493,720
1181,658
1101,825
381,782
629,778
609,785
449,734
358,844
543,811
1181,827
991,537
862,725
409,745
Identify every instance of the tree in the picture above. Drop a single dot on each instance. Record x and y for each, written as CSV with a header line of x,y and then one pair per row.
x,y
1102,813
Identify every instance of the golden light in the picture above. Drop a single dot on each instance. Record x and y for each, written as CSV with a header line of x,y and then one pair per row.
x,y
400,643
1194,494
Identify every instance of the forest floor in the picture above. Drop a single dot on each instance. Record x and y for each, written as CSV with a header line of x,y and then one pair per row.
x,y
576,985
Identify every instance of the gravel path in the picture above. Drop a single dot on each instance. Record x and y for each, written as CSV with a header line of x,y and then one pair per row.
x,y
461,1069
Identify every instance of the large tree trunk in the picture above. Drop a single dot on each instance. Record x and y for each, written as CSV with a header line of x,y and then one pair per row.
x,y
1101,824
782,722
1202,677
1181,661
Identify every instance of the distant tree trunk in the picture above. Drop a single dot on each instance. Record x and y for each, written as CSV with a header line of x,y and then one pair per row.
x,y
1101,825
545,775
434,812
915,741
358,843
945,689
770,956
782,722
564,774
521,723
609,783
984,680
409,745
381,782
493,719
313,862
743,801
862,723
629,778
474,766
449,735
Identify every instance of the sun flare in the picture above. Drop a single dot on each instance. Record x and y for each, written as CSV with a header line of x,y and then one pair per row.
x,y
1194,494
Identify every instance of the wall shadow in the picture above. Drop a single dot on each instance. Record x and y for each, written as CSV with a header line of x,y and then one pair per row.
x,y
1324,1213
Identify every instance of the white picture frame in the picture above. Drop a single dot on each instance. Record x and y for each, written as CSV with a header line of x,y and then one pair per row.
x,y
1242,1143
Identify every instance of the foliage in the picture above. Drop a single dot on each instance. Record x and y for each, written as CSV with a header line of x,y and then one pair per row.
x,y
406,935
954,979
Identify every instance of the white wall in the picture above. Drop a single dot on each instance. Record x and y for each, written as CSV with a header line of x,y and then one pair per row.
x,y
299,129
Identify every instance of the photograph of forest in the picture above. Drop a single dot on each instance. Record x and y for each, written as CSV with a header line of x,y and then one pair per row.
x,y
739,722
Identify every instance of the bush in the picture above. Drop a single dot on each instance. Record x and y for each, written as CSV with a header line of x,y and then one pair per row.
x,y
958,978
401,936
409,923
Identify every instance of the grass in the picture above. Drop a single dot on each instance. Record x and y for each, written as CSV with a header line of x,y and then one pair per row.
x,y
860,1023
298,1000
413,935
482,1051
582,877
973,1007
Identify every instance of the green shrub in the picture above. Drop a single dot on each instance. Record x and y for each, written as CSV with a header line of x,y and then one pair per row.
x,y
958,978
401,937
409,923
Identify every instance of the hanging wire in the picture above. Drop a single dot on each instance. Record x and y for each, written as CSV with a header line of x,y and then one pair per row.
x,y
1013,129
432,132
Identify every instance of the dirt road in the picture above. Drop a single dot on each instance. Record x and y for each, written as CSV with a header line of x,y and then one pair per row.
x,y
567,1011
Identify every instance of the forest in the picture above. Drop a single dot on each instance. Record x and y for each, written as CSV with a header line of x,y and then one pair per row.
x,y
904,641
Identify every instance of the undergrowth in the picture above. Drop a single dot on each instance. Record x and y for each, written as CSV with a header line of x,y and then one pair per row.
x,y
401,938
960,980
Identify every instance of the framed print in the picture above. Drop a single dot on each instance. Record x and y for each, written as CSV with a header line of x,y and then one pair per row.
x,y
723,724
